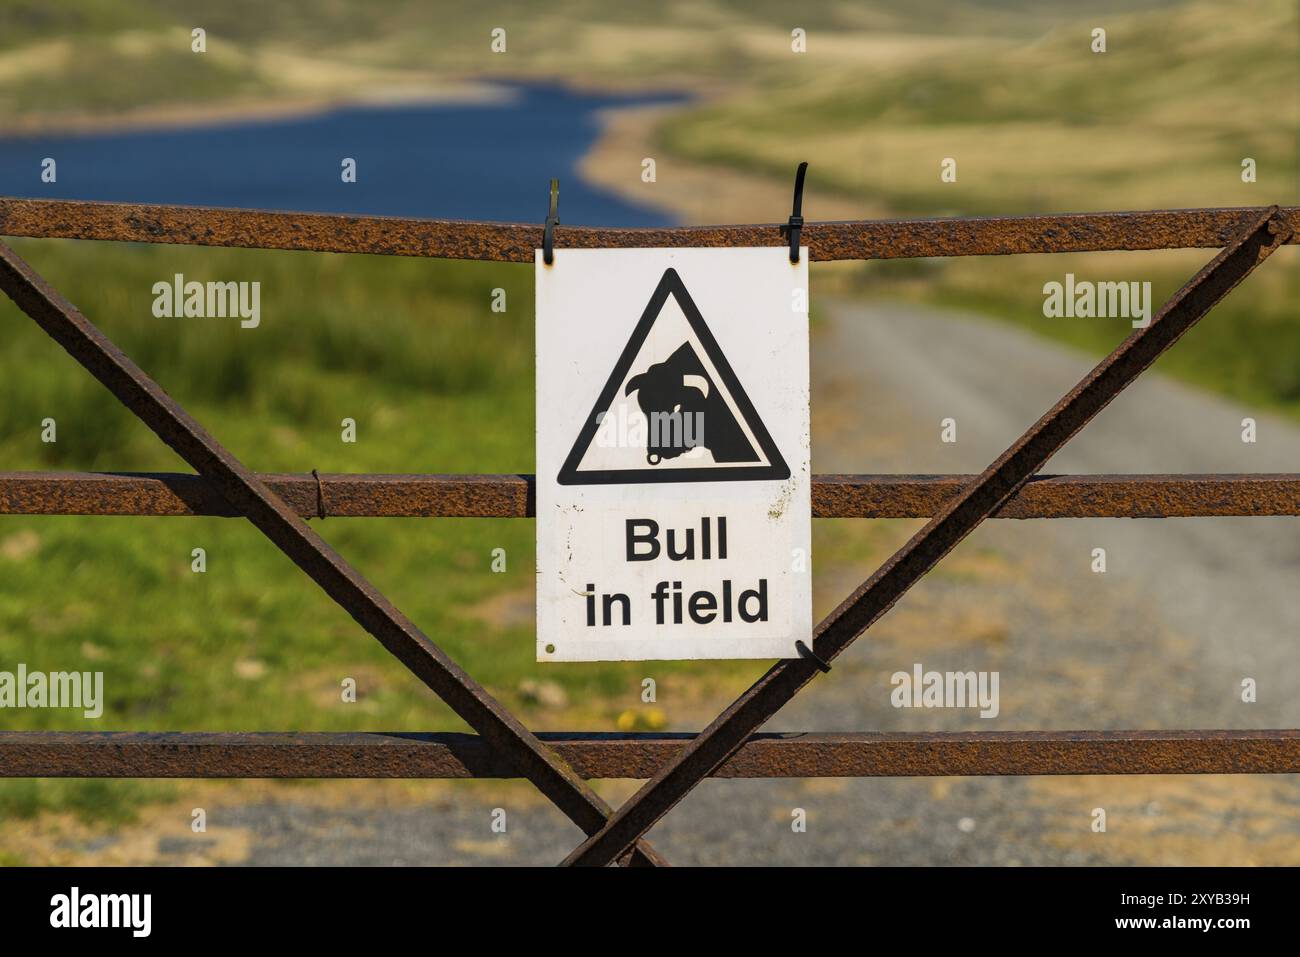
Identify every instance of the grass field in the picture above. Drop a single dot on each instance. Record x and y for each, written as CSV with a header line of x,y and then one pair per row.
x,y
436,382
103,57
1163,118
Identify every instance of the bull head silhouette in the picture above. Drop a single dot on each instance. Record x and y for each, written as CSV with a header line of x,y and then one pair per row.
x,y
685,410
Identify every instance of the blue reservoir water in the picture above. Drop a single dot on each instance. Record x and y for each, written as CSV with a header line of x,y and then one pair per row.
x,y
490,161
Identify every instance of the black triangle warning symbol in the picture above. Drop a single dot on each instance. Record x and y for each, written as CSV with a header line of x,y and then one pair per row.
x,y
696,422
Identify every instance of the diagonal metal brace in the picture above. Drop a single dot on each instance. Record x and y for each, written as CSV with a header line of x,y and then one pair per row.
x,y
1263,232
250,496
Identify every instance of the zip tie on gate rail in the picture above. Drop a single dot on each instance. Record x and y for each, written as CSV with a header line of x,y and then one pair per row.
x,y
320,496
552,220
794,225
806,652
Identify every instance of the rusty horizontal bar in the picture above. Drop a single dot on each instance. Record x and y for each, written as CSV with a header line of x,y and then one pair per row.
x,y
511,496
797,755
516,242
1064,496
350,496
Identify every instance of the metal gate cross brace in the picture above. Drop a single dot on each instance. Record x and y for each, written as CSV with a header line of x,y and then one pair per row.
x,y
1261,235
268,512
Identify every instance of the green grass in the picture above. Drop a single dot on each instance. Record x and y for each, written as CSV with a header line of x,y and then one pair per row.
x,y
104,801
27,21
1162,119
104,56
436,382
155,76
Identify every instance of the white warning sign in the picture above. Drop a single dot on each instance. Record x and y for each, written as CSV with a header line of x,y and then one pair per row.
x,y
673,485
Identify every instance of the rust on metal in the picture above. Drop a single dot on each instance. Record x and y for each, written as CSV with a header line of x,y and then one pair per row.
x,y
349,496
511,496
250,497
593,756
1262,235
1063,496
516,242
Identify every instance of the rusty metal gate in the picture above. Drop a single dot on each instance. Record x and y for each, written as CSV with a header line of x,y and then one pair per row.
x,y
559,764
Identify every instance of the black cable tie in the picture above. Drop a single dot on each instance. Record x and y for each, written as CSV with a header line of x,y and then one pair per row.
x,y
552,220
795,224
320,496
806,652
